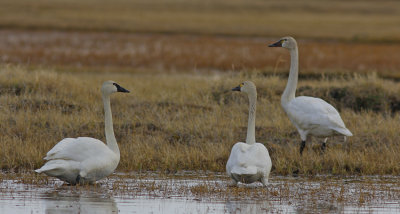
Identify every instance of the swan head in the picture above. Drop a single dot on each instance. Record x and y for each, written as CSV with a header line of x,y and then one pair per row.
x,y
110,87
285,42
247,87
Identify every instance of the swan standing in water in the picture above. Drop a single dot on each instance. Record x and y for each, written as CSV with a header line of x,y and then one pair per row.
x,y
249,162
310,115
84,159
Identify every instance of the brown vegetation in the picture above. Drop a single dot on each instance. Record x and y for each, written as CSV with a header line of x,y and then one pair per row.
x,y
176,121
348,20
159,53
180,59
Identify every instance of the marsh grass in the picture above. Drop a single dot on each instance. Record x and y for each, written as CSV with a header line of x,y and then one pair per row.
x,y
174,122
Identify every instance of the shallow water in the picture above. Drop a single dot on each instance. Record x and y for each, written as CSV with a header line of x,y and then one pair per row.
x,y
191,193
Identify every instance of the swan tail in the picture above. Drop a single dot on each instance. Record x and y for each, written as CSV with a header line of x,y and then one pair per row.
x,y
57,167
50,169
344,132
45,168
39,170
244,170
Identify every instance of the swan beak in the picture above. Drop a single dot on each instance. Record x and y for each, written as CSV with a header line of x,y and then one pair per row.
x,y
276,44
236,88
120,89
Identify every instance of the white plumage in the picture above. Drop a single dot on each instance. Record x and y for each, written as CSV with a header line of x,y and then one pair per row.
x,y
310,115
85,159
249,162
316,117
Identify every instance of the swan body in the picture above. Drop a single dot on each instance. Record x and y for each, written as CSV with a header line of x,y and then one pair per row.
x,y
319,118
85,159
310,115
249,162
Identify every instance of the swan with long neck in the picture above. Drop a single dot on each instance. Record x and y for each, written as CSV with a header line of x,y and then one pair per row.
x,y
310,115
249,162
84,159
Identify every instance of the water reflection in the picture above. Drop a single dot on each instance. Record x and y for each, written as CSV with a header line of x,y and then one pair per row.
x,y
155,195
251,207
56,202
320,207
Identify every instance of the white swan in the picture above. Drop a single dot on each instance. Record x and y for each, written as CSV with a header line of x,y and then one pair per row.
x,y
249,162
85,159
310,115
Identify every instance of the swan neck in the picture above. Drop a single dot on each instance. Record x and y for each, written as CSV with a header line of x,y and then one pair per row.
x,y
109,130
251,126
290,90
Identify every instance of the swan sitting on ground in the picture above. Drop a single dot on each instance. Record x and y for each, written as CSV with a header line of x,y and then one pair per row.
x,y
249,162
84,159
310,115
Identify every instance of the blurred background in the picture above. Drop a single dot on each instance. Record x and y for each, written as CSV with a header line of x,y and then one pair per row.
x,y
201,35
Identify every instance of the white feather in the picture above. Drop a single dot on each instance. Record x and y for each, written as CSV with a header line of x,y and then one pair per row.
x,y
316,117
249,163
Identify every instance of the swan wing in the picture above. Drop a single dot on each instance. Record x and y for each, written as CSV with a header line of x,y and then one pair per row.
x,y
309,112
77,149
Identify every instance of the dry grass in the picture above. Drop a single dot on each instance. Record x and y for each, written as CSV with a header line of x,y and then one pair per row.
x,y
186,118
160,53
174,122
349,20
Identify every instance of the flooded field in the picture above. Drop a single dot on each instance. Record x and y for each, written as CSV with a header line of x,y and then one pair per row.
x,y
200,193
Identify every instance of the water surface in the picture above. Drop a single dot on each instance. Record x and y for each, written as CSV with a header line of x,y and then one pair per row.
x,y
198,193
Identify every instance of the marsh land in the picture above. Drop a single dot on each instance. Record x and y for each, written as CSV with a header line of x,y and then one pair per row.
x,y
181,114
180,59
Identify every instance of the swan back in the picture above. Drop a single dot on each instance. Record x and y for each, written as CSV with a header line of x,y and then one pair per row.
x,y
79,149
249,163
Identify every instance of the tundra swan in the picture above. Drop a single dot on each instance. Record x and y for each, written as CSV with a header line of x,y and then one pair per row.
x,y
249,162
85,159
309,115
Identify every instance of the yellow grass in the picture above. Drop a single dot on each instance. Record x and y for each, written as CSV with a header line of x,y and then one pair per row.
x,y
174,122
348,20
181,113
